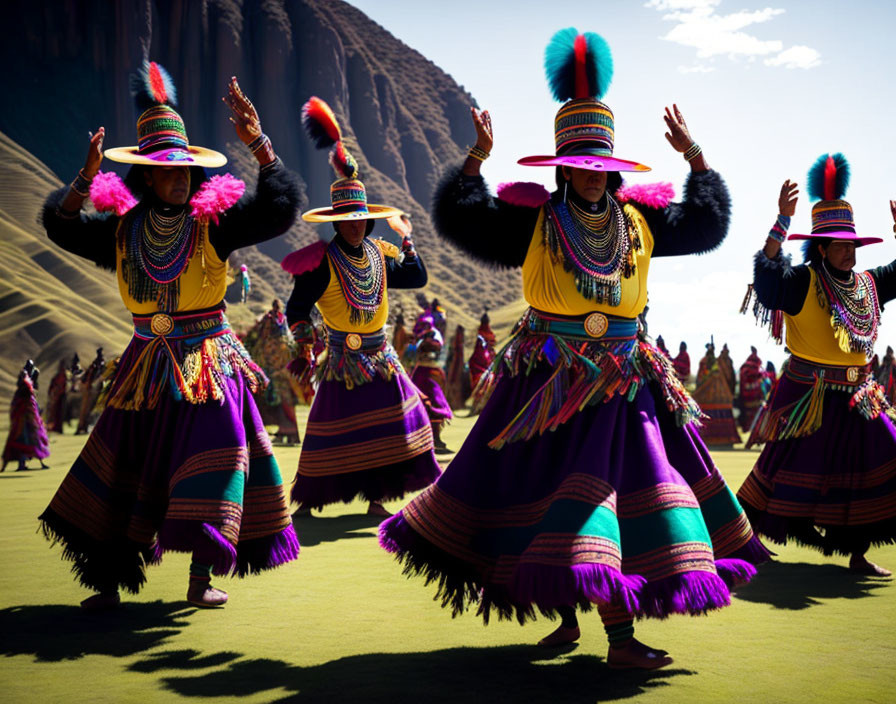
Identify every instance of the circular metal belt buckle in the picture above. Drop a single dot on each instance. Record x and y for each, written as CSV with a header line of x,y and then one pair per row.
x,y
852,374
596,325
161,324
353,341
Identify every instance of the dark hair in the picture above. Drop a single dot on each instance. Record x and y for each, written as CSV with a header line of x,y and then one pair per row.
x,y
811,255
137,184
614,180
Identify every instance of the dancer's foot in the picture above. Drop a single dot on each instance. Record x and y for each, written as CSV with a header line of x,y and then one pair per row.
x,y
202,593
102,601
23,465
561,636
633,654
377,509
861,565
44,466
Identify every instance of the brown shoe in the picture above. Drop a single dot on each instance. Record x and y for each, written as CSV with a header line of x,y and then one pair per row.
x,y
634,655
860,565
377,509
201,593
561,636
102,601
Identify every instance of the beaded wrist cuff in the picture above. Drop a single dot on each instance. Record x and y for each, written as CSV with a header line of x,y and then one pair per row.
x,y
692,152
81,184
779,229
478,154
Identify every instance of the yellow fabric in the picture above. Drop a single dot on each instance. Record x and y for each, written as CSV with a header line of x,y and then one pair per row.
x,y
204,267
547,287
336,310
810,334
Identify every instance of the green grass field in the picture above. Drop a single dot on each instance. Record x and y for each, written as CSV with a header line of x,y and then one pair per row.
x,y
341,624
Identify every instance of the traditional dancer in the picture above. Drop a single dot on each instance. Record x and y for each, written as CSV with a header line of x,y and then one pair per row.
x,y
682,363
480,360
27,437
886,375
245,283
750,395
826,477
401,338
272,347
368,433
179,459
91,385
713,393
56,399
661,346
619,504
457,374
429,377
726,366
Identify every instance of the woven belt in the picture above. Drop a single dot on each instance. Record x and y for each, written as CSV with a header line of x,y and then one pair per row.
x,y
357,341
595,326
806,371
180,326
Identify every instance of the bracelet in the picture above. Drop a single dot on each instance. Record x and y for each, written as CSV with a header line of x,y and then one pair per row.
x,y
258,142
478,153
779,229
692,152
270,166
81,184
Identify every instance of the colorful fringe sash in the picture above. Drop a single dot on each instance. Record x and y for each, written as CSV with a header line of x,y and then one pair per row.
x,y
356,358
804,416
587,370
186,353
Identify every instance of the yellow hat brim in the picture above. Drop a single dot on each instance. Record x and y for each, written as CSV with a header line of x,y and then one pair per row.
x,y
374,212
200,156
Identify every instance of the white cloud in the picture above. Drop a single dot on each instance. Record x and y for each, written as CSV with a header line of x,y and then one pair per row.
x,y
796,57
700,26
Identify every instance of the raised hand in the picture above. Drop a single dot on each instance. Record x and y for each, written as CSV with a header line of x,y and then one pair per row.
x,y
94,153
678,135
788,198
482,121
893,211
244,118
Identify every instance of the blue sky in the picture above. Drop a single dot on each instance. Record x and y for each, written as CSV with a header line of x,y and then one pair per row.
x,y
765,89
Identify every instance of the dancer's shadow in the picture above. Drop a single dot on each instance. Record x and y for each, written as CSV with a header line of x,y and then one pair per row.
x,y
503,674
314,530
799,585
56,632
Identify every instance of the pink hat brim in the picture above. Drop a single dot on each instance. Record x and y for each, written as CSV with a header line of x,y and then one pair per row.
x,y
839,235
584,161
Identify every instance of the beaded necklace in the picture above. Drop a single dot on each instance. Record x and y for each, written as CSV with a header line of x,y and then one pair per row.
x,y
855,309
158,252
596,247
362,279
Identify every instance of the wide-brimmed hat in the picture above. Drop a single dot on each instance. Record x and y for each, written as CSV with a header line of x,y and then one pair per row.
x,y
348,196
832,217
579,69
161,133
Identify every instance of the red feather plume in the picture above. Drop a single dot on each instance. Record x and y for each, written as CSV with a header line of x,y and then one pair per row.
x,y
581,48
320,123
830,176
157,84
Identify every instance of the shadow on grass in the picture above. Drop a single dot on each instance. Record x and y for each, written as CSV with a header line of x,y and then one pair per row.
x,y
55,632
314,530
511,673
799,585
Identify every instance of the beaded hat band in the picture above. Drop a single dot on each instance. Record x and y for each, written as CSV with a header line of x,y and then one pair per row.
x,y
349,202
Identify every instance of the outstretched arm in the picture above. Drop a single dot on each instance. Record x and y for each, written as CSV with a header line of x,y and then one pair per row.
x,y
885,276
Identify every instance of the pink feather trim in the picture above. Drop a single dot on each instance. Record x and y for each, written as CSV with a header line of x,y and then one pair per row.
x,y
653,195
109,193
524,193
215,196
304,259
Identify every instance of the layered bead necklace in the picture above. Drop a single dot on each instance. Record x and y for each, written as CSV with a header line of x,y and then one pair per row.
x,y
159,250
362,278
855,309
595,246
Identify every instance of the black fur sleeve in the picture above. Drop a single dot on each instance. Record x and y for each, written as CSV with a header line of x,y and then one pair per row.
x,y
696,225
778,285
408,274
485,227
307,289
885,280
268,213
88,236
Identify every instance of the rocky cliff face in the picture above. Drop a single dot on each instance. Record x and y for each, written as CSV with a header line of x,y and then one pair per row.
x,y
66,70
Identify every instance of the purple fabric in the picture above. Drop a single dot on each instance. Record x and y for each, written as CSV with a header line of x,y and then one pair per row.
x,y
633,446
430,381
183,477
842,478
27,437
415,469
